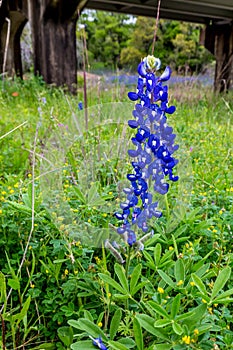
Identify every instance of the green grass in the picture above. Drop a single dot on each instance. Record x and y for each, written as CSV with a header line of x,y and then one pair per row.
x,y
60,272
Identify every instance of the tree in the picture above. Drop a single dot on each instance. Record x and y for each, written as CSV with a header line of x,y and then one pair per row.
x,y
107,35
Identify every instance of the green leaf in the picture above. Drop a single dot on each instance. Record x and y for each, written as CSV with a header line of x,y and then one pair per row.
x,y
45,346
88,315
157,253
66,335
162,323
221,280
175,306
196,315
2,288
163,347
115,323
147,323
177,328
138,334
20,207
150,263
224,294
111,282
120,272
223,301
19,317
179,270
89,327
139,286
92,194
135,277
166,278
158,309
83,344
80,195
198,282
128,342
116,345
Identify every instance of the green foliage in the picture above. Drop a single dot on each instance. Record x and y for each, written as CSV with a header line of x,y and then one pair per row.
x,y
175,294
119,41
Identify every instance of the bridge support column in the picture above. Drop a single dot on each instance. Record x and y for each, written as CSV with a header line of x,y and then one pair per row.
x,y
53,26
219,41
10,49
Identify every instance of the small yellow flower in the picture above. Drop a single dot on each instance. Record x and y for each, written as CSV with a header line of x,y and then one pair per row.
x,y
231,189
66,272
47,271
186,339
196,331
75,272
32,285
109,295
29,175
105,215
192,283
214,231
170,248
89,220
110,192
220,212
16,185
180,283
77,243
204,301
0,211
12,191
100,324
210,310
160,290
3,193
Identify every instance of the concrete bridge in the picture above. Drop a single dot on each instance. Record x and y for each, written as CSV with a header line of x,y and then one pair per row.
x,y
53,25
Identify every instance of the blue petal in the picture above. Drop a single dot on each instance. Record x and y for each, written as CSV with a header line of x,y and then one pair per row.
x,y
133,96
141,69
166,74
170,110
133,123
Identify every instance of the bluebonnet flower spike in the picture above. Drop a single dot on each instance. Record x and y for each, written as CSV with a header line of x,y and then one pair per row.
x,y
152,156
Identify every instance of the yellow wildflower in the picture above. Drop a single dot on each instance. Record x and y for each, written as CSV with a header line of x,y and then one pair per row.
x,y
160,290
186,339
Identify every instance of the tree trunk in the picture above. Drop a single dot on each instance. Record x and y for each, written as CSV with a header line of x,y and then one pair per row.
x,y
54,41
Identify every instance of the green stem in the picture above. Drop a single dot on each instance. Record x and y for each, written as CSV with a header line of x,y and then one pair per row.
x,y
167,206
127,273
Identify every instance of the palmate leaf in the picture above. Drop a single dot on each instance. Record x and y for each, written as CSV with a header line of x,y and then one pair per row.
x,y
136,274
120,272
112,282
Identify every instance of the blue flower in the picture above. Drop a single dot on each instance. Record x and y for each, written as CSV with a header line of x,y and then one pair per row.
x,y
80,105
98,342
153,160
